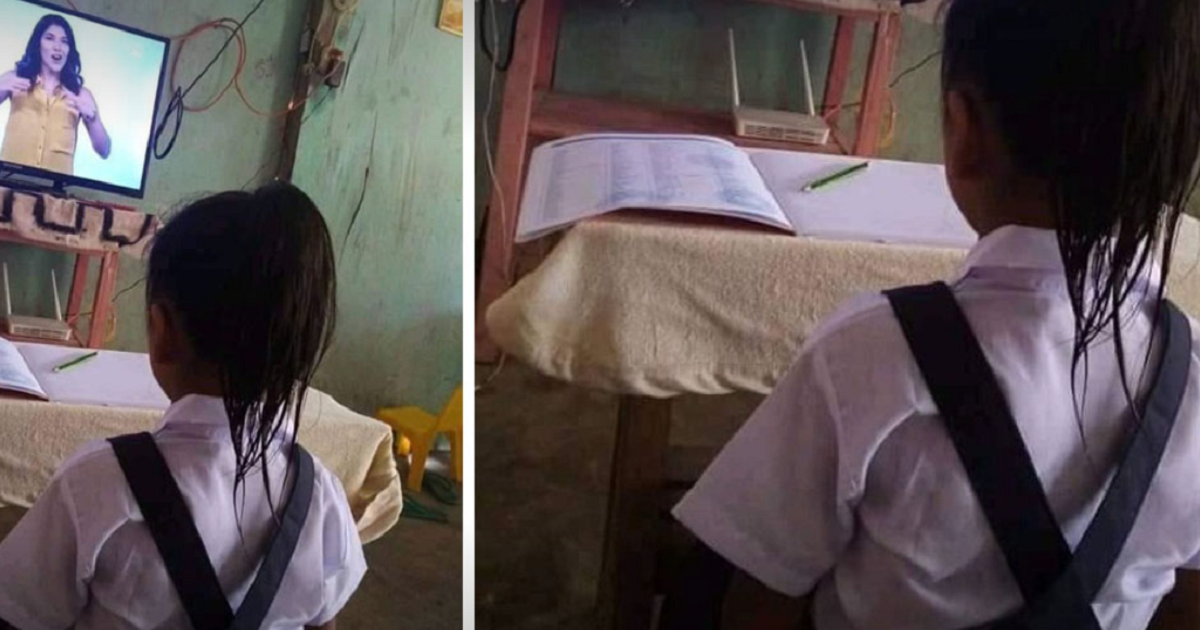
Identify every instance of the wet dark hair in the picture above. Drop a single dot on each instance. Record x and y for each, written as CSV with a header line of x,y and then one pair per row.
x,y
250,277
31,64
1100,100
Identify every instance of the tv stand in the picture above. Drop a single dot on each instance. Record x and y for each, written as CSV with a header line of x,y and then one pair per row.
x,y
16,180
35,216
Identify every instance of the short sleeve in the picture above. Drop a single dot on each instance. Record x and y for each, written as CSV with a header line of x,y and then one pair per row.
x,y
1193,564
772,503
41,585
342,544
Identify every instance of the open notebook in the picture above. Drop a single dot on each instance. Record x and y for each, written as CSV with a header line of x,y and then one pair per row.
x,y
112,379
585,176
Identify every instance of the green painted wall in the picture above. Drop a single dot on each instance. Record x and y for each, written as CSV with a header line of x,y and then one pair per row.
x,y
674,52
400,328
383,159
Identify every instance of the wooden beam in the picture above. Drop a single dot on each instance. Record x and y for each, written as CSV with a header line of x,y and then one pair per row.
x,y
634,505
319,29
875,88
496,270
825,9
102,305
78,288
548,48
839,66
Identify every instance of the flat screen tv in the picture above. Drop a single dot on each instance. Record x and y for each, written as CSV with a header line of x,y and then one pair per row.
x,y
78,97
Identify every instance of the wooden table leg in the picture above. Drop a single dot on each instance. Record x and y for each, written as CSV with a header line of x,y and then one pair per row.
x,y
496,271
839,66
875,88
103,304
548,47
78,288
630,540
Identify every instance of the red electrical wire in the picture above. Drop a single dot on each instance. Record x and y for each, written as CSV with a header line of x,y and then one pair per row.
x,y
227,24
235,82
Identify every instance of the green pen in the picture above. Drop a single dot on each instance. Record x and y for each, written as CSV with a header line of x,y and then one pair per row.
x,y
76,362
836,177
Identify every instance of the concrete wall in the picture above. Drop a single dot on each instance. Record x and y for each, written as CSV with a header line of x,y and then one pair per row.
x,y
674,52
383,159
398,236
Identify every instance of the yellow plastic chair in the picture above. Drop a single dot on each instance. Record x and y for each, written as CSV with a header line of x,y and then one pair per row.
x,y
417,429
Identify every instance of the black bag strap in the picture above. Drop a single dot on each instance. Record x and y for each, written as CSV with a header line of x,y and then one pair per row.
x,y
257,604
980,424
174,531
1057,587
1139,458
182,550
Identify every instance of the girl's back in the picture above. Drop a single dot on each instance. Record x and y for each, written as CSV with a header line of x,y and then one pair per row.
x,y
857,493
241,303
1071,137
96,563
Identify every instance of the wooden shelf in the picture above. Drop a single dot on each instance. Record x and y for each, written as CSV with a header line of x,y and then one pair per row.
x,y
12,237
556,115
74,342
825,9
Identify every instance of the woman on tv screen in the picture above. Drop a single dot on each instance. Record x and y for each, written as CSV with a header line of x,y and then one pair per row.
x,y
49,101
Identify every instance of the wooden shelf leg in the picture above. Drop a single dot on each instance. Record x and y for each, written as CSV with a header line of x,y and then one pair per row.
x,y
78,289
495,274
638,472
839,66
548,47
103,304
875,88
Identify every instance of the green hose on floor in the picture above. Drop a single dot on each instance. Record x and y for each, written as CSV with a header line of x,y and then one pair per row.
x,y
441,489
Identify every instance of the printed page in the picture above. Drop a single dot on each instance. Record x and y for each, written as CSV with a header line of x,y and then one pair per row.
x,y
585,176
111,379
15,374
890,202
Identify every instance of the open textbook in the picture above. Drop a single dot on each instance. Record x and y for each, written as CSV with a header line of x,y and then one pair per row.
x,y
585,176
111,379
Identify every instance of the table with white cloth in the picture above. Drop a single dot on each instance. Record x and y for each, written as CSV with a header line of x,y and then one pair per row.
x,y
36,437
651,308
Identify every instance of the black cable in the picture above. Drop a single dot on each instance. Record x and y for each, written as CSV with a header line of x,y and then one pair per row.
x,y
512,35
175,105
907,71
116,296
921,64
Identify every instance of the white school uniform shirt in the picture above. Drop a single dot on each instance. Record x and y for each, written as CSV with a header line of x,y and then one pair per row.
x,y
82,557
845,482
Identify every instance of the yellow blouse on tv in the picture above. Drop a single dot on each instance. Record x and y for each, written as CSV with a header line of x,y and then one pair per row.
x,y
41,131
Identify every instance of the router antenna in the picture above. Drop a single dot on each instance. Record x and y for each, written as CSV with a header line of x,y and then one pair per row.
x,y
7,293
57,304
737,97
808,91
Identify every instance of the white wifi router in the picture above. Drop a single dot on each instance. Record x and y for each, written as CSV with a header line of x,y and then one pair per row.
x,y
771,124
42,328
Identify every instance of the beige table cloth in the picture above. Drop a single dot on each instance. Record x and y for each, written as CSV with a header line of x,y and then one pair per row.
x,y
658,308
35,437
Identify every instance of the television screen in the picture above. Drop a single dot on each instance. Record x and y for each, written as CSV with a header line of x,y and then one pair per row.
x,y
78,97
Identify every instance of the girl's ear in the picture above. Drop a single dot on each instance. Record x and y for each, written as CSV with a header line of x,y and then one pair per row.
x,y
163,334
962,135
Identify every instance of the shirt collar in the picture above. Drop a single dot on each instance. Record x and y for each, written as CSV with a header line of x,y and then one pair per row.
x,y
206,412
1016,247
1026,254
196,410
